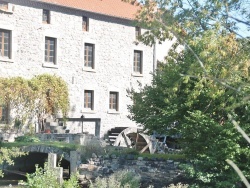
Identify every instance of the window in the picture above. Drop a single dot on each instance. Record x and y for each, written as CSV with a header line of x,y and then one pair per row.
x,y
138,61
137,32
3,5
3,114
46,16
5,43
85,23
50,50
89,99
113,101
89,55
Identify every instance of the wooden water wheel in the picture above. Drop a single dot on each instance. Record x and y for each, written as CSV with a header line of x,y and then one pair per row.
x,y
133,137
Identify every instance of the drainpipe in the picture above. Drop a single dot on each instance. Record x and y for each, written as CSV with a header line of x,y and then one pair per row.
x,y
154,58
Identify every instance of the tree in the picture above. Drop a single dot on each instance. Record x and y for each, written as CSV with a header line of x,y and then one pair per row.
x,y
199,87
42,95
7,155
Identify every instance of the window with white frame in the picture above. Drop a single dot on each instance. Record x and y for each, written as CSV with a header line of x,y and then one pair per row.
x,y
137,32
89,55
137,67
46,16
5,44
3,6
85,23
50,50
114,101
89,99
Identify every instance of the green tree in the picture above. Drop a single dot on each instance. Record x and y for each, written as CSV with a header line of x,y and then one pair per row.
x,y
200,86
7,155
43,94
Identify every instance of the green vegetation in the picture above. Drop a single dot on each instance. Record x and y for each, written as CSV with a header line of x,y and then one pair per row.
x,y
118,179
27,139
204,89
43,93
46,177
60,145
7,155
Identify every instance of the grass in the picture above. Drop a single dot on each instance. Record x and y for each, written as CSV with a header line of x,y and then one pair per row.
x,y
87,150
167,156
60,145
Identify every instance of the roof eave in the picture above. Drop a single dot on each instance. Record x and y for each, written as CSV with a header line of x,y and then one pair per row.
x,y
40,1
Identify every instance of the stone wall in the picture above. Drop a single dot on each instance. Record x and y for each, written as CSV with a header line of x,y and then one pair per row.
x,y
157,172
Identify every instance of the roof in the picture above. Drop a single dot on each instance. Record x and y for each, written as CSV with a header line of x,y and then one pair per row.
x,y
115,8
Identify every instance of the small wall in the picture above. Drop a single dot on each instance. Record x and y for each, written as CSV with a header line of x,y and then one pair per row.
x,y
157,172
79,138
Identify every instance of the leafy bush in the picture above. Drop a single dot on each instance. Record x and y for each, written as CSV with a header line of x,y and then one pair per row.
x,y
93,146
179,185
46,177
119,179
27,139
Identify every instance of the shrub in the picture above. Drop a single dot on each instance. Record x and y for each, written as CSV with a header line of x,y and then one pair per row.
x,y
119,179
93,146
46,177
27,139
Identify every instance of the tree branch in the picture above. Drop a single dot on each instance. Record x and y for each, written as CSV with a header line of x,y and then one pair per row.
x,y
241,175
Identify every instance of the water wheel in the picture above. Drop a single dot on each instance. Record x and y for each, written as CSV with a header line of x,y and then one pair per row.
x,y
133,137
113,133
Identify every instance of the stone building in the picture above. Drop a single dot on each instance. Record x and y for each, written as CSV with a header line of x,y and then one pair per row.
x,y
89,43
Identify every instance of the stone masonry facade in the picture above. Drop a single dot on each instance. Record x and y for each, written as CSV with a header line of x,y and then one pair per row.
x,y
114,46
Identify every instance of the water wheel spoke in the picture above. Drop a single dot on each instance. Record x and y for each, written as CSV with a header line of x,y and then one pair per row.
x,y
125,139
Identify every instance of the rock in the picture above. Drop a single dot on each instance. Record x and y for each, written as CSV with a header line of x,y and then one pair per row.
x,y
81,177
94,155
130,157
113,156
140,159
105,170
89,176
121,161
114,166
144,169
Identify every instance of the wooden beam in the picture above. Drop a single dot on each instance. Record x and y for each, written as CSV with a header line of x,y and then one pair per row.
x,y
144,149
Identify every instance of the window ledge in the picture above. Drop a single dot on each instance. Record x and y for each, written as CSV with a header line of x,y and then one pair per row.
x,y
50,65
86,69
87,111
137,74
4,59
113,112
6,11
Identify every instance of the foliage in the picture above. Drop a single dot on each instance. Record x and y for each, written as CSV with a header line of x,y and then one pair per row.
x,y
27,139
167,156
7,155
16,93
42,94
200,86
51,93
94,146
46,177
178,185
118,179
66,147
